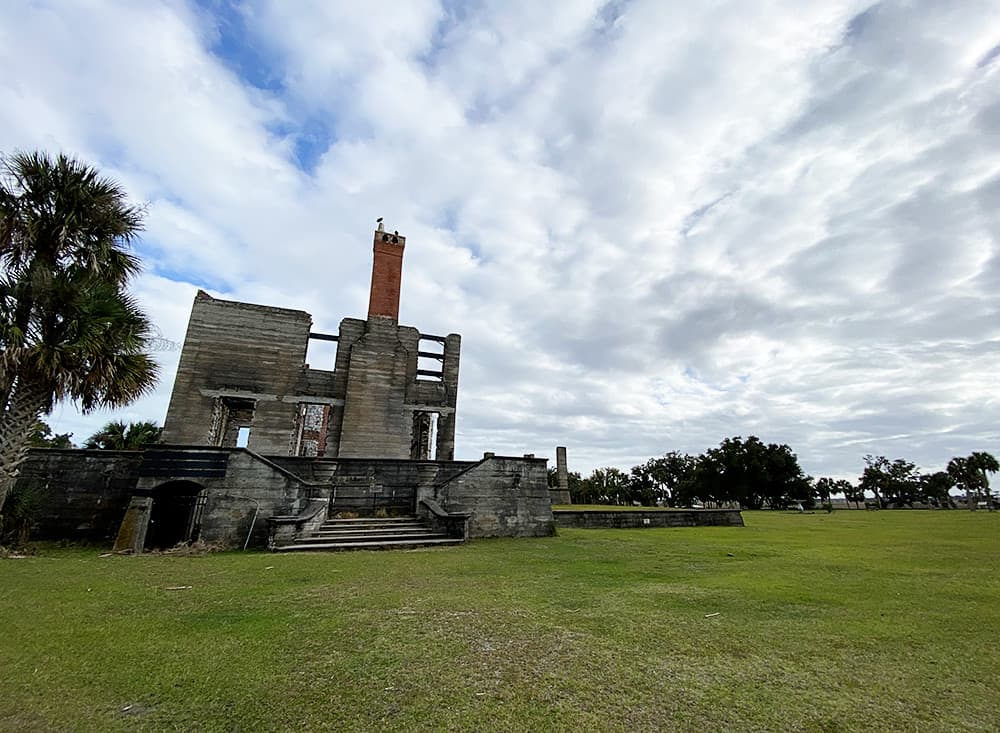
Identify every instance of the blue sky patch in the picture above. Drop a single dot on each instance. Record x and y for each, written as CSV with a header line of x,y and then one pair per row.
x,y
239,49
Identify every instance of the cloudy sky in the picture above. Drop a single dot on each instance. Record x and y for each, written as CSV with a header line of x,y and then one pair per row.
x,y
655,224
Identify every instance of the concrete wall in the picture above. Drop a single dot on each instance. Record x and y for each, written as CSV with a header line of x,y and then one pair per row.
x,y
508,497
449,398
627,519
376,424
238,350
377,367
82,494
85,494
252,490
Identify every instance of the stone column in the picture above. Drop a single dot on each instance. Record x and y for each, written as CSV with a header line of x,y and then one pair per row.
x,y
446,421
560,495
446,437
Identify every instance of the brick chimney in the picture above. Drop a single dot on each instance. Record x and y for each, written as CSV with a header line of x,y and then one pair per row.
x,y
387,272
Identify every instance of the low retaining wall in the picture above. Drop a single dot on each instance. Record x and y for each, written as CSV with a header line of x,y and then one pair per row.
x,y
504,496
627,519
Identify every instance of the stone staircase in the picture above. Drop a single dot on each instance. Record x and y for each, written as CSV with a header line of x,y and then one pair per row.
x,y
370,533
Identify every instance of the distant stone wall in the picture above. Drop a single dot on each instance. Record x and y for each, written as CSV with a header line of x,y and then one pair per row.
x,y
83,493
507,497
627,519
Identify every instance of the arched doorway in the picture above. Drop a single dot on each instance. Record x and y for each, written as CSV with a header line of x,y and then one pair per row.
x,y
175,515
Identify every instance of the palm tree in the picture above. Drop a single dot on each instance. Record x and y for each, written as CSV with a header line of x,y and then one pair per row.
x,y
970,473
984,463
116,435
68,329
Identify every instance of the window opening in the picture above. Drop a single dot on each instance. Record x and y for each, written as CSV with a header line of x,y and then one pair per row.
x,y
423,439
311,437
231,414
321,352
430,358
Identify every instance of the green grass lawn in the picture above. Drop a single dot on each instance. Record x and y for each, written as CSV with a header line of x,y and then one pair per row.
x,y
852,621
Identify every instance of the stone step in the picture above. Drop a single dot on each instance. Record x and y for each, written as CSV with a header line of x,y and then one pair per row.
x,y
350,536
370,527
374,525
369,530
393,521
370,545
371,533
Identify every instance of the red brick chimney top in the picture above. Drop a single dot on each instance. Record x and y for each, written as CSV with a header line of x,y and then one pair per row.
x,y
387,274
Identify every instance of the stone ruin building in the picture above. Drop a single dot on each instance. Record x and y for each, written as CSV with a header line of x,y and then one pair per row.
x,y
243,368
260,447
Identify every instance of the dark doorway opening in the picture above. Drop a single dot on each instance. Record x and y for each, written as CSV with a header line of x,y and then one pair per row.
x,y
176,514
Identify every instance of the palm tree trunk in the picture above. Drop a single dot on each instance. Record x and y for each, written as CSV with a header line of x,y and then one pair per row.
x,y
6,383
27,402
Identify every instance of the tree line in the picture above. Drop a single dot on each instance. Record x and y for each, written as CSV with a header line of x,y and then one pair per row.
x,y
752,474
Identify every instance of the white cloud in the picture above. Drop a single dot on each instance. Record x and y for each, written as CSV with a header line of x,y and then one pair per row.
x,y
655,226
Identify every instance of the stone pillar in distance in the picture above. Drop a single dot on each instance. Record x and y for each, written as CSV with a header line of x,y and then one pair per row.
x,y
560,494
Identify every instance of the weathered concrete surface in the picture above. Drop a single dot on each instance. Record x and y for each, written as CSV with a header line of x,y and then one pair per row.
x,y
237,505
231,492
506,497
627,519
453,524
376,423
241,366
284,530
83,493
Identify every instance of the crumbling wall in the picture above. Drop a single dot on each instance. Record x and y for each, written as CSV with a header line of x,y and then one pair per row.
x,y
507,497
376,423
239,504
242,369
446,422
82,495
242,365
385,393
